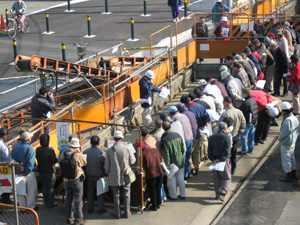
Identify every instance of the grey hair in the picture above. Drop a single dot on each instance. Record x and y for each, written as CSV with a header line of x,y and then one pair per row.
x,y
222,125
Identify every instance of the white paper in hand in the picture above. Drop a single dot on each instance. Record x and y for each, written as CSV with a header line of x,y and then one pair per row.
x,y
102,186
164,93
219,166
20,185
260,84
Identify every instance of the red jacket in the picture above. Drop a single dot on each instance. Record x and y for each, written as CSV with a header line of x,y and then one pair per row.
x,y
295,75
261,98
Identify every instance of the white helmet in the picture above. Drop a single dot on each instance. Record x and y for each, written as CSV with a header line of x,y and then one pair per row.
x,y
224,18
285,106
224,74
273,112
150,74
202,82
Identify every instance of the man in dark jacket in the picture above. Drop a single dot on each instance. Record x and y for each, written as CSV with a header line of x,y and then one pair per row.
x,y
282,65
250,112
94,171
172,150
261,49
247,67
146,92
219,146
41,104
175,4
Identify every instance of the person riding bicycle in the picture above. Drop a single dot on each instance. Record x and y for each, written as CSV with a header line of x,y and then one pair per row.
x,y
20,8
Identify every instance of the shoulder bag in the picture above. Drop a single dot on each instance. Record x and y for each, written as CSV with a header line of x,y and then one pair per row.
x,y
129,176
294,88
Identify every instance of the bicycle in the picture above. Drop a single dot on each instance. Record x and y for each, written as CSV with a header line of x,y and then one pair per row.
x,y
14,25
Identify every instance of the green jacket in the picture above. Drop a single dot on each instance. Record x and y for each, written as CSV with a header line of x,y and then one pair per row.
x,y
172,149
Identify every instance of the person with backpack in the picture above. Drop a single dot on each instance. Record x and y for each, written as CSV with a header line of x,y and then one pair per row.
x,y
71,163
24,153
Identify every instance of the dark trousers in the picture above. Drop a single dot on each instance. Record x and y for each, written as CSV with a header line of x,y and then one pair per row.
x,y
154,188
92,189
74,190
277,84
48,182
126,198
235,140
263,126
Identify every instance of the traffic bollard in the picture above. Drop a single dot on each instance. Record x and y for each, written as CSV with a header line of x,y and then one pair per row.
x,y
6,15
89,24
185,8
63,51
15,48
145,7
106,7
69,5
47,22
132,28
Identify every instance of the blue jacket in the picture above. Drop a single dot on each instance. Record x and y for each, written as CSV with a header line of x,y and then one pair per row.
x,y
200,113
4,152
19,155
146,91
216,18
174,2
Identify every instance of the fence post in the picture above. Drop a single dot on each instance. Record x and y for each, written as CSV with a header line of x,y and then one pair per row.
x,y
15,48
69,6
6,16
106,6
145,7
15,194
63,51
132,28
47,22
185,8
89,24
171,72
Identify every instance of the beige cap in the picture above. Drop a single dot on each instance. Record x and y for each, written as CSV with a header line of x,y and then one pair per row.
x,y
25,136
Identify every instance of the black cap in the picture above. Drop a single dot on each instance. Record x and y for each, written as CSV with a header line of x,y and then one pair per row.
x,y
3,132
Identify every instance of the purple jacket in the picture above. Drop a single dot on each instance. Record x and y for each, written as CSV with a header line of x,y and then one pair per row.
x,y
193,121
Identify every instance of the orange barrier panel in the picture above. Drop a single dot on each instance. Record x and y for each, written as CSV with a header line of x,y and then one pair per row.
x,y
186,55
162,72
92,113
219,49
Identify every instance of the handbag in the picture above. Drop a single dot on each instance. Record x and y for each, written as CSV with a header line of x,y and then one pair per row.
x,y
129,176
21,167
294,88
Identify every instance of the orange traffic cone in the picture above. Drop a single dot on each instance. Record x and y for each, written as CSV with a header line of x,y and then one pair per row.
x,y
3,25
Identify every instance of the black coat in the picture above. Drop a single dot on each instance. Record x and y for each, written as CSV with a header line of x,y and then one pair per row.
x,y
250,110
174,2
282,61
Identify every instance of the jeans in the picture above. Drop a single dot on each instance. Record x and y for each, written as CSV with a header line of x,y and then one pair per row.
x,y
92,189
187,166
74,190
154,188
235,140
248,138
48,182
175,11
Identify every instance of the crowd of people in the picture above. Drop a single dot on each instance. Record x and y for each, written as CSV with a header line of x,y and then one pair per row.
x,y
206,124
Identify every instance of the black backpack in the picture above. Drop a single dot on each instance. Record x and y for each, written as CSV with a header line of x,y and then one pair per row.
x,y
68,167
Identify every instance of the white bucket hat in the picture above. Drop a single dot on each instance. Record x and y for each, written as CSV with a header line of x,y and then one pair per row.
x,y
224,74
118,134
224,18
75,143
202,82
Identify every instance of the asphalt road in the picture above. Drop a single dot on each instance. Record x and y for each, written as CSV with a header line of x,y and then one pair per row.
x,y
266,200
109,29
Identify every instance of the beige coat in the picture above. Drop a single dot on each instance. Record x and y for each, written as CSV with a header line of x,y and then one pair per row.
x,y
289,38
111,165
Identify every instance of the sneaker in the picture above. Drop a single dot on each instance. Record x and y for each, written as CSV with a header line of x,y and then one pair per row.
x,y
275,95
222,197
174,199
262,142
182,198
285,95
177,19
242,153
174,20
251,152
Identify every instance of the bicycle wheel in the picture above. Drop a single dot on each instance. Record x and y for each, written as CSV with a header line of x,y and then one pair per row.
x,y
26,25
11,29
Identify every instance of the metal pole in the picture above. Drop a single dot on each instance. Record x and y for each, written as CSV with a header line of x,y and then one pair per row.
x,y
69,5
63,51
15,48
89,24
171,72
6,15
185,8
73,117
15,194
115,108
47,22
132,28
106,6
145,7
